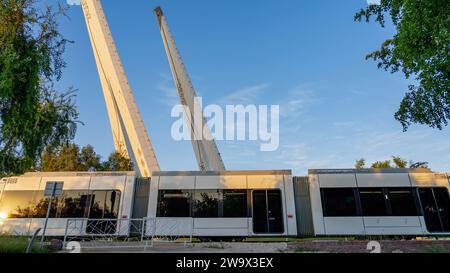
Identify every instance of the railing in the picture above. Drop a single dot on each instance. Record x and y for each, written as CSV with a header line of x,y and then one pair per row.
x,y
127,233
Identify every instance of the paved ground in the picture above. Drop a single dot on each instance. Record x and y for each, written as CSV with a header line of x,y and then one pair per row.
x,y
419,246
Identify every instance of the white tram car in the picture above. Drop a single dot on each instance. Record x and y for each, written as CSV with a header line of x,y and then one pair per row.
x,y
235,203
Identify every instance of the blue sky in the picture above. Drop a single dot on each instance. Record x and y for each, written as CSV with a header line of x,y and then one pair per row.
x,y
306,56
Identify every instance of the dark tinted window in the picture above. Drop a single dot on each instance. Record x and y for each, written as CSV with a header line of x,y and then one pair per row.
x,y
72,204
17,204
235,203
373,202
174,203
206,203
339,202
104,204
402,202
38,209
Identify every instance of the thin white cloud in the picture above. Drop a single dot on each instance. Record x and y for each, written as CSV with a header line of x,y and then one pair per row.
x,y
246,95
169,92
297,101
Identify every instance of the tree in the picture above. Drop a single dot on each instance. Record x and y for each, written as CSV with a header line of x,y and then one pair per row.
x,y
386,164
360,164
89,159
382,165
420,49
117,162
69,158
33,116
399,162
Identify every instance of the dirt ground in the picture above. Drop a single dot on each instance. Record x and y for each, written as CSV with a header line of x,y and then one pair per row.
x,y
322,246
392,246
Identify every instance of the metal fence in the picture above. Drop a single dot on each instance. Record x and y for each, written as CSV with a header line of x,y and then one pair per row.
x,y
127,233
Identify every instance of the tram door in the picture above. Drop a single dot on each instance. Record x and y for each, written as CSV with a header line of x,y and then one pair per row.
x,y
267,212
436,208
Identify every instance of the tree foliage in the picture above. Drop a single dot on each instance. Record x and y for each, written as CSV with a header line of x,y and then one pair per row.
x,y
420,49
70,158
117,162
33,116
360,163
385,164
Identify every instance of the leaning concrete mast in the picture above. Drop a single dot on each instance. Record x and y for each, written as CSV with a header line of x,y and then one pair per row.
x,y
205,148
129,133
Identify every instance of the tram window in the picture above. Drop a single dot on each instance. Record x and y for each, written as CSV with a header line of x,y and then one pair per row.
x,y
72,204
339,202
174,203
402,202
112,204
206,203
104,204
373,202
16,204
38,209
235,203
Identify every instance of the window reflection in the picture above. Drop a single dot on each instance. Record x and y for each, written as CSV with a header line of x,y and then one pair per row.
x,y
104,204
206,203
16,204
72,204
174,203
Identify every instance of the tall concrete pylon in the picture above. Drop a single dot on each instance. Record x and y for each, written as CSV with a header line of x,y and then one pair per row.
x,y
205,148
129,133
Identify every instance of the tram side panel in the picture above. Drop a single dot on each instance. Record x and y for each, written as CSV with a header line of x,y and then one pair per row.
x,y
239,222
379,202
401,222
96,197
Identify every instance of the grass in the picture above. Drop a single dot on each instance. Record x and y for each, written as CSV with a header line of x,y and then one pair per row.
x,y
216,246
437,249
305,250
12,244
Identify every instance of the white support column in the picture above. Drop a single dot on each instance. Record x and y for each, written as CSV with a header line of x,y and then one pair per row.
x,y
127,126
205,148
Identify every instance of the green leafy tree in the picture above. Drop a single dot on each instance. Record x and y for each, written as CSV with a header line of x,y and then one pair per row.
x,y
33,116
89,159
382,165
420,49
64,159
399,162
360,164
386,164
70,158
117,162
